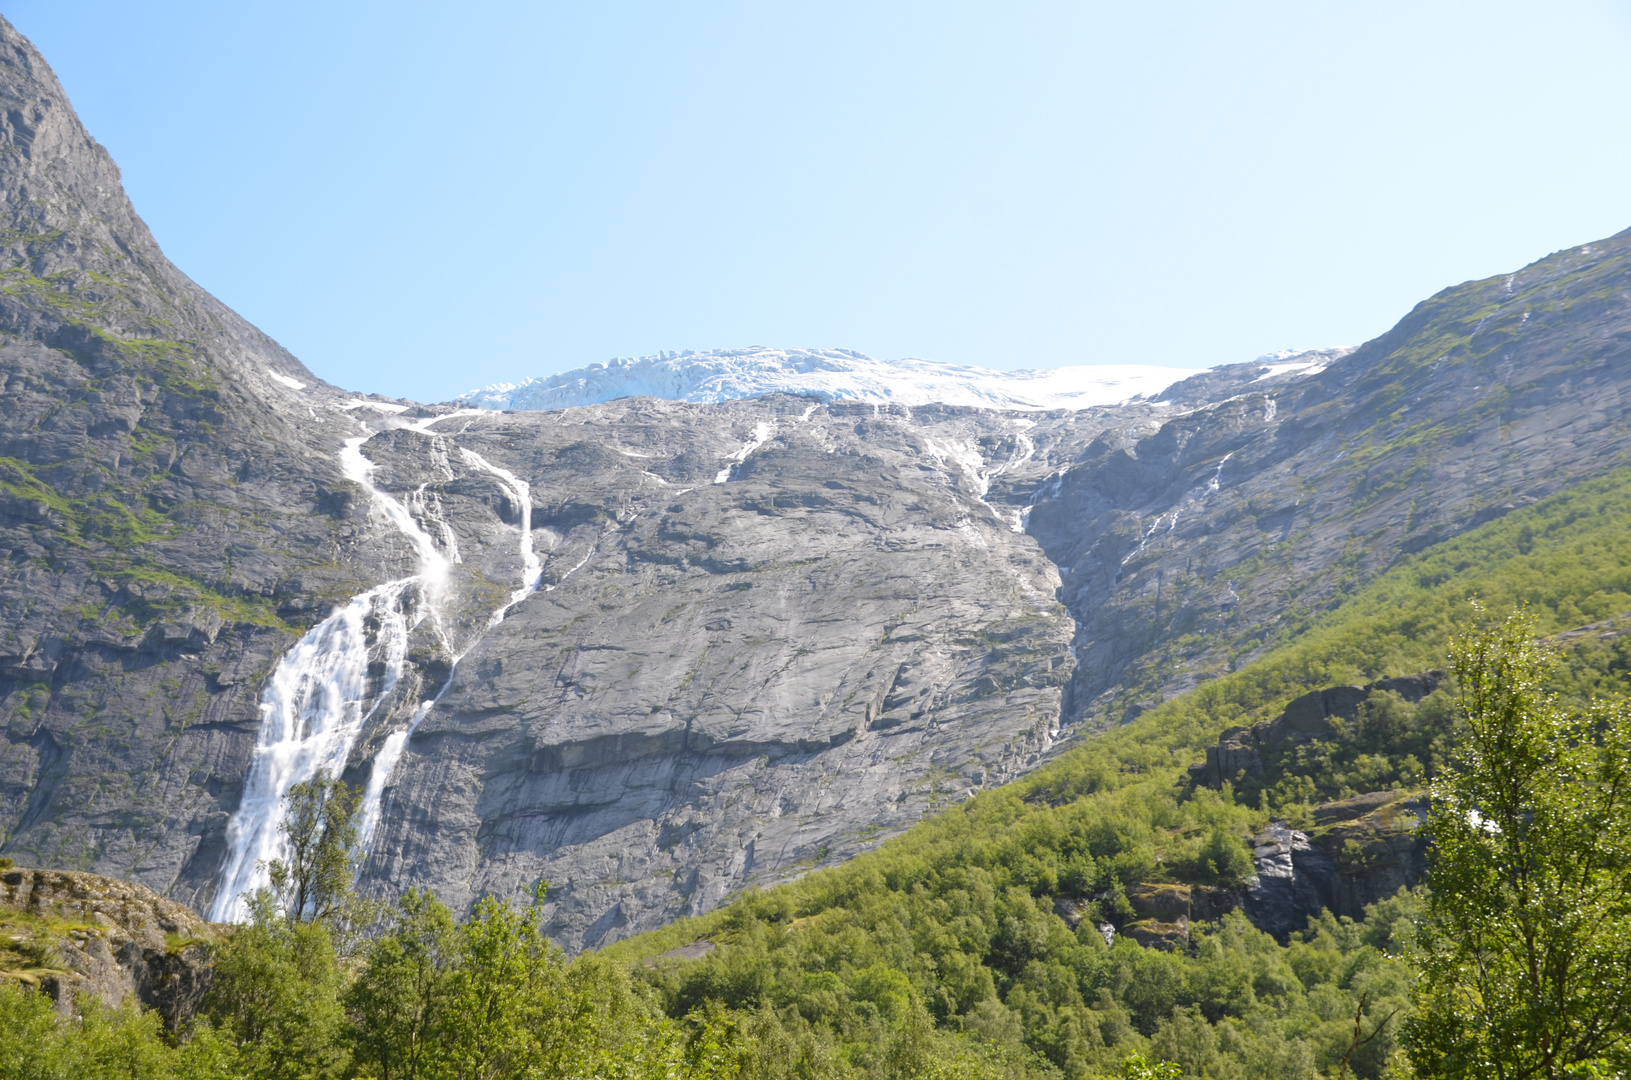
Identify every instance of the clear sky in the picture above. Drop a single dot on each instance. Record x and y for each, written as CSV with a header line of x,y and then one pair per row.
x,y
419,198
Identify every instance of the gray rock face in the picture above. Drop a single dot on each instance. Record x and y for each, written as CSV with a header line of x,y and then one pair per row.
x,y
1361,850
1293,882
765,633
1373,843
1187,550
725,682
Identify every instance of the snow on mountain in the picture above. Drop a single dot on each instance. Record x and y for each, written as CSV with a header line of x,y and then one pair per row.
x,y
830,375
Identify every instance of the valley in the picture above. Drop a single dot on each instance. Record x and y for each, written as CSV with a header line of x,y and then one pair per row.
x,y
1060,714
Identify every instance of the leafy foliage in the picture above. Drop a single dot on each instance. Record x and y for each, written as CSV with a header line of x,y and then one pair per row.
x,y
320,828
1527,948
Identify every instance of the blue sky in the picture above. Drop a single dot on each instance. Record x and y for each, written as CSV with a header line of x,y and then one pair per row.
x,y
421,198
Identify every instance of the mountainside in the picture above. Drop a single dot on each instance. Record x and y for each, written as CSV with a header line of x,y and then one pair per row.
x,y
654,650
1187,550
168,523
840,375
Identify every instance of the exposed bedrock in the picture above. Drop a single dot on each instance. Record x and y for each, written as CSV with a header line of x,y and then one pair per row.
x,y
726,682
1188,549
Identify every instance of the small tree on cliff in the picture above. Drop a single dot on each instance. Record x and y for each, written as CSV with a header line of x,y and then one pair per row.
x,y
1526,951
315,884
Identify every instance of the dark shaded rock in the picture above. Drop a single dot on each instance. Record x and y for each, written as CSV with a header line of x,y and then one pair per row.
x,y
1360,851
1071,911
1209,903
1372,842
1293,882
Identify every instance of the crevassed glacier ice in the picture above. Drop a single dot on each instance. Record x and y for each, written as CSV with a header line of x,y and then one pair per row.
x,y
831,375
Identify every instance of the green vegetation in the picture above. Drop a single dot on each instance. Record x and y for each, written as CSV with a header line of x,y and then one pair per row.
x,y
1526,958
104,1044
1390,745
314,885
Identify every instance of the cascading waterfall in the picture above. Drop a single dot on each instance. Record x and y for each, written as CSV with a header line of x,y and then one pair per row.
x,y
532,568
321,695
312,711
521,494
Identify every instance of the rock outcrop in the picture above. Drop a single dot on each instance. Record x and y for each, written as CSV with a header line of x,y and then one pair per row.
x,y
74,935
1241,751
1360,851
1293,881
1373,845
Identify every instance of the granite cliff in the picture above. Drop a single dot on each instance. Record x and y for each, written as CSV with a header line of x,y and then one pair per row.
x,y
652,650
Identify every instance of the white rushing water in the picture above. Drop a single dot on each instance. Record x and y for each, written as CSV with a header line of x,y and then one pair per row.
x,y
521,495
312,711
532,568
761,432
321,696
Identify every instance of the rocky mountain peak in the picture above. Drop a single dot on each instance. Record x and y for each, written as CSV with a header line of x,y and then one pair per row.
x,y
82,271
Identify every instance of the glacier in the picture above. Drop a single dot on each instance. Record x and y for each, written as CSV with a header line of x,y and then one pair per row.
x,y
829,375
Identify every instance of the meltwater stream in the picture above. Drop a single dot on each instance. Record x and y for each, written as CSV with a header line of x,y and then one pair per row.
x,y
322,695
532,568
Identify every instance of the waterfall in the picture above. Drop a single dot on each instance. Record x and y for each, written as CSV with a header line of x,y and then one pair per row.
x,y
312,711
521,494
532,567
320,696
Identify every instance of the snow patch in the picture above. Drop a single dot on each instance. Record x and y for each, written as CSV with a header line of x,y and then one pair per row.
x,y
292,384
382,406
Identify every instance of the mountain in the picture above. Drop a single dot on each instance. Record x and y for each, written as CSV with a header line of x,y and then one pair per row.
x,y
656,650
840,375
1189,549
170,516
